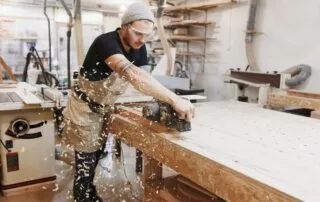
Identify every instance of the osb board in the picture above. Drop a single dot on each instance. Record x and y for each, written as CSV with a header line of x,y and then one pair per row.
x,y
238,151
303,94
283,99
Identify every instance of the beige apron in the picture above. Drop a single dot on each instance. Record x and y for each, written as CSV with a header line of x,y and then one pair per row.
x,y
84,130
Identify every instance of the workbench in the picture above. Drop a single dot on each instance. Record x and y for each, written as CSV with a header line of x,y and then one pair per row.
x,y
238,151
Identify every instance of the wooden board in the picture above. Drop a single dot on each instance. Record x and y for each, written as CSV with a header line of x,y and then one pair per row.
x,y
198,6
303,94
188,38
238,151
186,23
279,98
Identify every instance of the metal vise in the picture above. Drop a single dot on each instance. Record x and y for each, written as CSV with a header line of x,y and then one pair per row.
x,y
164,114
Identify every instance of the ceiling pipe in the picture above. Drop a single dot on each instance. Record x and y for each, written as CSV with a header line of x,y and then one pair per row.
x,y
250,33
163,38
70,24
78,31
49,33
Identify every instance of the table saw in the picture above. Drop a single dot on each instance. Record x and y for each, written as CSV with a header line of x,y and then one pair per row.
x,y
238,151
27,132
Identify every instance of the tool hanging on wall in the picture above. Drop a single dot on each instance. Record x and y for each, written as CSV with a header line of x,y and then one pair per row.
x,y
49,33
163,38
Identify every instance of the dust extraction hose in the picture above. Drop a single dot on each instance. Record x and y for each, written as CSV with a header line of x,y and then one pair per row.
x,y
299,74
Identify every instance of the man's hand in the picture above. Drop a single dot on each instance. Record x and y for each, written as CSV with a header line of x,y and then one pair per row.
x,y
184,108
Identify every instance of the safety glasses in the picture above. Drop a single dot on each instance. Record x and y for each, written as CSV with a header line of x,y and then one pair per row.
x,y
140,34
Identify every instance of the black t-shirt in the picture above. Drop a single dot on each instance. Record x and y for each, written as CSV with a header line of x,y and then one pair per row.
x,y
94,67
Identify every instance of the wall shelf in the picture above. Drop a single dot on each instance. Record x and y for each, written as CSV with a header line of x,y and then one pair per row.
x,y
181,15
196,6
187,38
187,23
180,53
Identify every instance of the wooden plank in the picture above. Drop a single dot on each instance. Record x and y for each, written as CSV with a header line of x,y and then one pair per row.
x,y
180,53
152,176
173,190
4,65
198,6
259,158
188,38
186,23
303,94
282,99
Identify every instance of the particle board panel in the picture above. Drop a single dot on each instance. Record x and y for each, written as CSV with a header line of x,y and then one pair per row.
x,y
315,114
237,151
303,94
283,99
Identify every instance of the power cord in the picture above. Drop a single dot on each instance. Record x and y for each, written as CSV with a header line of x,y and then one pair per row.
x,y
4,146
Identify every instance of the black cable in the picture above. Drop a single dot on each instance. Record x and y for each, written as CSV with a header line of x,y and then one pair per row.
x,y
46,75
248,66
25,71
46,81
4,146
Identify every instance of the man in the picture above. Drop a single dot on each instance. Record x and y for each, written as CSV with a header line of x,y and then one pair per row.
x,y
112,62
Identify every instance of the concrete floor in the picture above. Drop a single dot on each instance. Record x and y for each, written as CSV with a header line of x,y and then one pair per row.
x,y
110,180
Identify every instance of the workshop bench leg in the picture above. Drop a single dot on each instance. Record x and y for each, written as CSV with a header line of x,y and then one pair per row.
x,y
152,177
139,159
118,147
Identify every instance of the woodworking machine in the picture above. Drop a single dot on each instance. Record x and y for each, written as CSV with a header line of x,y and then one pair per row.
x,y
254,86
165,114
27,130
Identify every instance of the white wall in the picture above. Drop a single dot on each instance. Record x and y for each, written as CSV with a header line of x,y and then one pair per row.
x,y
29,21
290,36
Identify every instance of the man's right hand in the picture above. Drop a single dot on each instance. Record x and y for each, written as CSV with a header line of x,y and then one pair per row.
x,y
184,108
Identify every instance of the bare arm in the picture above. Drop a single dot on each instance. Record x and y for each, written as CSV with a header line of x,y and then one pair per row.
x,y
146,84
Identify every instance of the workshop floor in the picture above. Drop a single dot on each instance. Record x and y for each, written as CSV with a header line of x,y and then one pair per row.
x,y
110,180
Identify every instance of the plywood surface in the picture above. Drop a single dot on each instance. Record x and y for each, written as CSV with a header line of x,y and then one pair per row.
x,y
245,152
278,149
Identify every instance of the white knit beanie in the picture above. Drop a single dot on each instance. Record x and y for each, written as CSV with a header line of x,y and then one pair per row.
x,y
137,11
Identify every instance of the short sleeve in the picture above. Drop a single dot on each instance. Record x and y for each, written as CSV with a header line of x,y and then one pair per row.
x,y
143,59
107,47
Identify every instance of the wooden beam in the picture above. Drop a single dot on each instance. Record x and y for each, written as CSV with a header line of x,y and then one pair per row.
x,y
7,69
282,99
